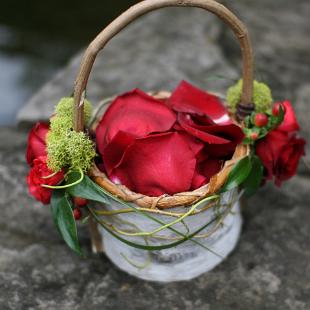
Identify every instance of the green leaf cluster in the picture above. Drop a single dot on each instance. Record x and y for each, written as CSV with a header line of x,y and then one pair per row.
x,y
262,97
64,220
65,147
250,127
247,174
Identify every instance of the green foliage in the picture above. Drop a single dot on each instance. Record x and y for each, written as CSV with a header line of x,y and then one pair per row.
x,y
65,147
262,96
89,190
273,122
254,179
61,207
238,174
86,189
246,174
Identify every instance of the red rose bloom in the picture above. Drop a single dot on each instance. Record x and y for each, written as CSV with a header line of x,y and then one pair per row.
x,y
280,155
36,142
158,147
281,150
36,178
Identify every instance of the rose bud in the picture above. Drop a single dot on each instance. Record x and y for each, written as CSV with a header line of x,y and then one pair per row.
x,y
261,120
280,153
79,202
254,136
77,213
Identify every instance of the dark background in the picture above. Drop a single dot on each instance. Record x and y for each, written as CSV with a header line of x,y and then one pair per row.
x,y
38,37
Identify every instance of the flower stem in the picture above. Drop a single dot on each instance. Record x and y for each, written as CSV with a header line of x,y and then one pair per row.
x,y
66,185
192,209
50,176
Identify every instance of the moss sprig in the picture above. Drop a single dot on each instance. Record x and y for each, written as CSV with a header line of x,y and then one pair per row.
x,y
65,147
64,108
262,96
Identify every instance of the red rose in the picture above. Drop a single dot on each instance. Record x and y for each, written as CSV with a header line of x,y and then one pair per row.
x,y
36,142
281,150
280,155
160,147
36,178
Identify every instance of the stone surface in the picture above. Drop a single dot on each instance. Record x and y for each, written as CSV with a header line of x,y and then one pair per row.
x,y
152,57
270,268
279,31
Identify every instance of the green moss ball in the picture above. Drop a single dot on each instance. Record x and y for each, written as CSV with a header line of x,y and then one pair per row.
x,y
262,96
64,108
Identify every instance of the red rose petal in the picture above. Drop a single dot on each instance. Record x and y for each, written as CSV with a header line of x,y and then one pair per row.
x,y
222,139
289,159
197,131
270,148
37,142
35,180
113,151
198,180
195,144
135,113
189,99
210,167
289,123
205,170
156,165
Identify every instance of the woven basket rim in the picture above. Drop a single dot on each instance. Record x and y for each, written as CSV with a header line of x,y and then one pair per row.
x,y
165,201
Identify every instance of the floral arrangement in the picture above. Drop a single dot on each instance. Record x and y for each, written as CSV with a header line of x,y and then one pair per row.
x,y
159,147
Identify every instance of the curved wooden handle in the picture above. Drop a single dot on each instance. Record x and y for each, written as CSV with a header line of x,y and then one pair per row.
x,y
147,6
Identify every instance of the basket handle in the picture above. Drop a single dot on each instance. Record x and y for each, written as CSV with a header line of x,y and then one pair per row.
x,y
150,5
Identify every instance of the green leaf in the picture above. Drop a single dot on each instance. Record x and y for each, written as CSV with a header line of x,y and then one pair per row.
x,y
247,121
263,132
275,121
238,174
64,219
86,189
280,117
254,179
247,141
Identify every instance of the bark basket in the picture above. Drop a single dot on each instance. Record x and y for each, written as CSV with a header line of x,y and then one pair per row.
x,y
225,236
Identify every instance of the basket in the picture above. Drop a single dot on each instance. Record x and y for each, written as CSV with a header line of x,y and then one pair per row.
x,y
222,236
245,107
